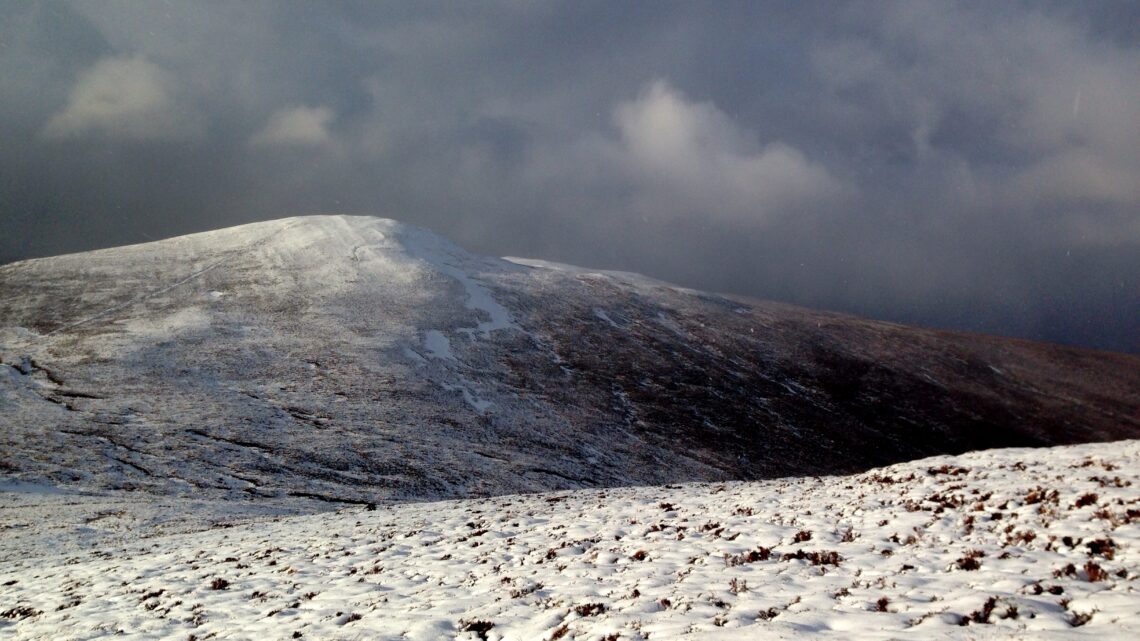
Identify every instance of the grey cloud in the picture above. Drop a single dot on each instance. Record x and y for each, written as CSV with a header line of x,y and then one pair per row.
x,y
1034,110
958,164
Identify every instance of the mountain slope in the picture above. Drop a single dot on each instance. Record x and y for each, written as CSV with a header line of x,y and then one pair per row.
x,y
359,359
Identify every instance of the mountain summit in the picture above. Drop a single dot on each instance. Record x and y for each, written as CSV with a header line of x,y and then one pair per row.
x,y
360,359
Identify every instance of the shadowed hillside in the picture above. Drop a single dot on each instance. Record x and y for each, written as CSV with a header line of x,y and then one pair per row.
x,y
359,359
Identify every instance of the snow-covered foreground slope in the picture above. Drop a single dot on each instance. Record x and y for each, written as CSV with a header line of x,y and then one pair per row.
x,y
1017,543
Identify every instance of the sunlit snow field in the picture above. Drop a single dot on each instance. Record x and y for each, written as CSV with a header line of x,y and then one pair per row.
x,y
1016,543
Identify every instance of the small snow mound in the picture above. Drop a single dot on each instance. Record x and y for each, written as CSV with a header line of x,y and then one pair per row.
x,y
438,345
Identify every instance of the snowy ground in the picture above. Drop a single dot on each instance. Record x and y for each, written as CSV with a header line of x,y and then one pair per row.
x,y
1012,543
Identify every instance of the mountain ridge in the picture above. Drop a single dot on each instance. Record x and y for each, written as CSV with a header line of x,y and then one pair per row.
x,y
360,359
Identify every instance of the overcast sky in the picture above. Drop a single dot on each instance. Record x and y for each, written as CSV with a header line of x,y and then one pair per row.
x,y
962,165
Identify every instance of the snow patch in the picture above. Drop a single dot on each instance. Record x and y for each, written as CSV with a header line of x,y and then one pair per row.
x,y
479,405
26,487
438,345
432,250
600,313
629,278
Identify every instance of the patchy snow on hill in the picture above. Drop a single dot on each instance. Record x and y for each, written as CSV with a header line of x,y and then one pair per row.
x,y
1015,543
352,359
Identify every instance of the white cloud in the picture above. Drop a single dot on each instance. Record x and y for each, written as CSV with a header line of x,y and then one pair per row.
x,y
296,126
123,97
689,158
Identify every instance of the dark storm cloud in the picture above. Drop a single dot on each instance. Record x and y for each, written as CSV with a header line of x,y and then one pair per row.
x,y
966,165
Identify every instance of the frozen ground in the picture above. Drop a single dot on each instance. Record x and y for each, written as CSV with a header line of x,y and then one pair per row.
x,y
1015,543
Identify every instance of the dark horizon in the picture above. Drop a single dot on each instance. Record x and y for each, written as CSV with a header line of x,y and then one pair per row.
x,y
958,165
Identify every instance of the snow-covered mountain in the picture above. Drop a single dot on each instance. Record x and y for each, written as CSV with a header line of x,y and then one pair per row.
x,y
359,359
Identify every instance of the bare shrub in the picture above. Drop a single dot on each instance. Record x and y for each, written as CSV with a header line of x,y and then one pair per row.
x,y
752,556
1067,570
822,557
1023,537
1086,499
590,609
970,562
479,626
1041,495
20,612
523,591
1102,547
1094,572
952,470
983,615
1080,618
